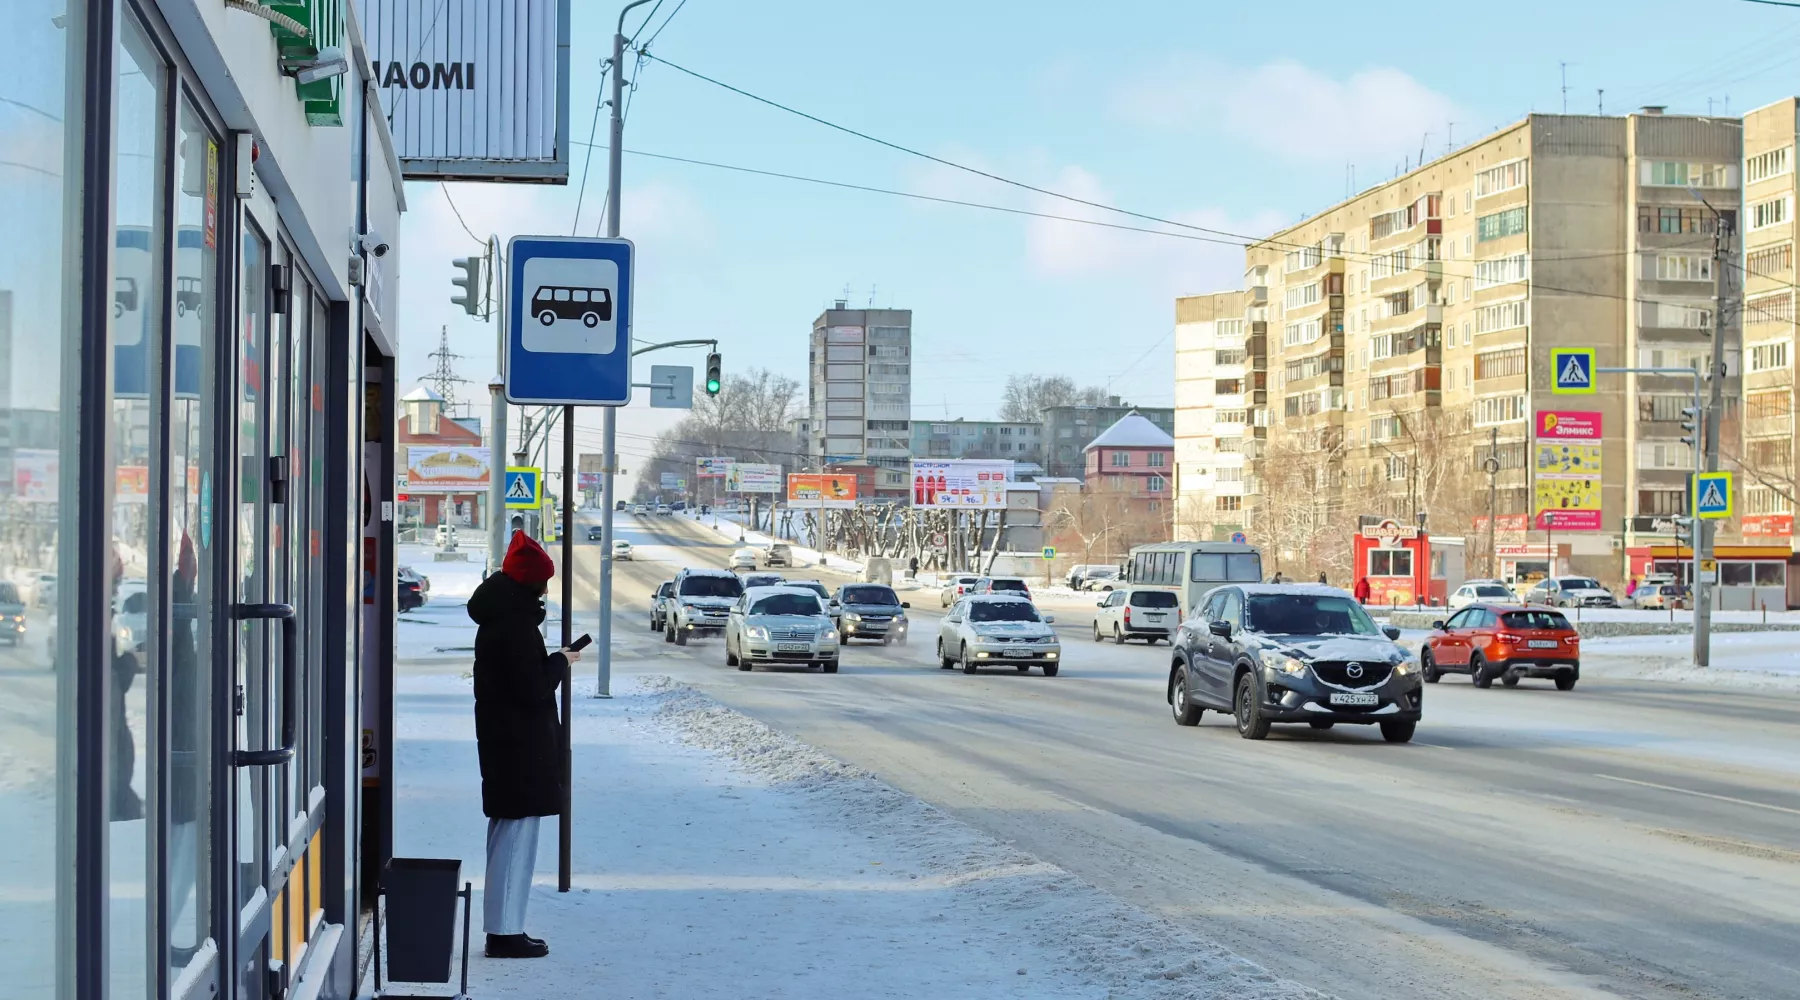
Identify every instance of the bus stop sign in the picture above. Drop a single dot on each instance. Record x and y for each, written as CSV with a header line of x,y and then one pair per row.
x,y
568,321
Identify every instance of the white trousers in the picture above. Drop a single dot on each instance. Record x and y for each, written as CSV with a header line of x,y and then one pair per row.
x,y
512,846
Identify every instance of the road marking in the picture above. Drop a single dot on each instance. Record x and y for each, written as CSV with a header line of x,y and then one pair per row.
x,y
1435,746
1704,795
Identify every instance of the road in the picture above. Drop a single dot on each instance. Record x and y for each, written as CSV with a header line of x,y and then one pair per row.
x,y
1624,839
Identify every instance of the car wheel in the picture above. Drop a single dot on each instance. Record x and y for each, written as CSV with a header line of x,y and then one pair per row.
x,y
1321,723
655,626
829,666
1098,635
731,658
668,632
944,662
1118,636
1398,732
1251,723
968,663
744,665
1478,671
887,640
1427,668
1186,713
1566,681
1050,669
681,635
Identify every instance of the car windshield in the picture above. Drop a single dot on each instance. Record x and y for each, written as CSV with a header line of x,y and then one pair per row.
x,y
1671,589
711,586
9,594
1306,614
665,589
1002,611
1492,590
870,595
1154,599
1534,619
1578,583
786,604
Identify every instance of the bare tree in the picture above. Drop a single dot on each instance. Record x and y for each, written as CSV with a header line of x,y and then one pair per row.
x,y
746,421
1027,396
1102,522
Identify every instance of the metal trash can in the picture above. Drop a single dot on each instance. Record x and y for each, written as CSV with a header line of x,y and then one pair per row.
x,y
421,896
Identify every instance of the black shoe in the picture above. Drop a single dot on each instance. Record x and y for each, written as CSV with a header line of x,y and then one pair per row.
x,y
515,946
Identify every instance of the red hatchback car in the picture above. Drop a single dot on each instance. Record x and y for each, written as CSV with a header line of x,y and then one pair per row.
x,y
1506,641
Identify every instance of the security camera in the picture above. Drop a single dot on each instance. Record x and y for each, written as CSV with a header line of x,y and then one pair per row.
x,y
372,243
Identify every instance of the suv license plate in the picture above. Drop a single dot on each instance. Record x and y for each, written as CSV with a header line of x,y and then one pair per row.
x,y
1017,652
792,647
1352,698
1542,644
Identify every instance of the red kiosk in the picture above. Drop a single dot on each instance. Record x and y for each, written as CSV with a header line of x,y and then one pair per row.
x,y
1396,560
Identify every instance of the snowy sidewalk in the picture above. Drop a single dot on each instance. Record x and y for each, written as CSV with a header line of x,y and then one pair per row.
x,y
714,858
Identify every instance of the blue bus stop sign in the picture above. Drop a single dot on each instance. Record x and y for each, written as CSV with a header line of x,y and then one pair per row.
x,y
568,321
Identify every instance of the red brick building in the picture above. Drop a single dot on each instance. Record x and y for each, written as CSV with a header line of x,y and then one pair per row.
x,y
1133,458
423,423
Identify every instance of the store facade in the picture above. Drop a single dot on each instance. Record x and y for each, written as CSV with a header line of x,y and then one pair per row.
x,y
195,350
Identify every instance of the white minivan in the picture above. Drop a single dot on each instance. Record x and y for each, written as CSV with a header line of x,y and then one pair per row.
x,y
1147,613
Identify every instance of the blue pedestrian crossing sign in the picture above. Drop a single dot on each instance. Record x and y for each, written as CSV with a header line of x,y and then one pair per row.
x,y
1572,370
1712,495
568,321
522,487
1049,552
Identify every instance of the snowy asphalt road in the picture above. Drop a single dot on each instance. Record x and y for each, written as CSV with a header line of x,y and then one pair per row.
x,y
1625,839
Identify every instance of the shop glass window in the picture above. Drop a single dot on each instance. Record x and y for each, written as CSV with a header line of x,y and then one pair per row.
x,y
1771,574
1390,562
1736,573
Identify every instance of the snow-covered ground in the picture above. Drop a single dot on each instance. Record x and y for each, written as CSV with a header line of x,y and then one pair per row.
x,y
441,626
727,525
715,858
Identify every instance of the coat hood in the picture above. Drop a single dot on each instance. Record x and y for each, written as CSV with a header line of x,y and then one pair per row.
x,y
500,597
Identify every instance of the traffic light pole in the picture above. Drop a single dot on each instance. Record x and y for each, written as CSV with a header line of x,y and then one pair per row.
x,y
1715,415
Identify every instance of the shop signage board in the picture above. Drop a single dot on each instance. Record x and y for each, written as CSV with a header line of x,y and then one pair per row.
x,y
961,484
447,470
750,477
1567,470
807,489
712,467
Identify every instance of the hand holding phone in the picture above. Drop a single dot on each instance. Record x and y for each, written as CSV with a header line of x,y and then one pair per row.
x,y
582,643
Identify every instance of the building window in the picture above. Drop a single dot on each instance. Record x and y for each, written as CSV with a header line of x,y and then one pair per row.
x,y
1154,484
1396,467
1500,316
1502,270
1296,334
1500,364
1655,503
1763,166
1390,562
1665,455
1766,357
1772,212
1228,503
1681,267
1500,225
1771,262
1158,459
1776,308
1500,178
1767,405
1664,173
1121,459
1490,410
1302,296
1676,315
1652,219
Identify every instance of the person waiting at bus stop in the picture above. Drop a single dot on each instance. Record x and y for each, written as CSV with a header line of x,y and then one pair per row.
x,y
517,736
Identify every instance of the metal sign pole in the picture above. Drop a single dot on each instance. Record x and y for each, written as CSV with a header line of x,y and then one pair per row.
x,y
565,820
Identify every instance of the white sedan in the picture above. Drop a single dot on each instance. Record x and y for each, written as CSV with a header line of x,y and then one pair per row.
x,y
998,629
622,549
1470,593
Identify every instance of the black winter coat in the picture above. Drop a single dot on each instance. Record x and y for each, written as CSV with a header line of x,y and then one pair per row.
x,y
517,734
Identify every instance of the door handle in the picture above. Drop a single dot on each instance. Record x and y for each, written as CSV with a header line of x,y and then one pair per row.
x,y
290,687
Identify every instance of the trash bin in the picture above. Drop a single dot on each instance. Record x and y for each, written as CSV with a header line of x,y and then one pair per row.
x,y
422,894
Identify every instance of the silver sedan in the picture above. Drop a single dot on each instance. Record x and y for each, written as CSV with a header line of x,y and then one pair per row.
x,y
780,625
998,630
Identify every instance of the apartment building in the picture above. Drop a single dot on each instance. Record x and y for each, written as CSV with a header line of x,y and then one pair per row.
x,y
1766,462
1408,332
1067,430
1021,442
859,390
1220,382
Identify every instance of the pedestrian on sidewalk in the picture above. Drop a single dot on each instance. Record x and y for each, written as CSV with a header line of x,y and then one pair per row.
x,y
1361,593
912,568
517,736
1322,582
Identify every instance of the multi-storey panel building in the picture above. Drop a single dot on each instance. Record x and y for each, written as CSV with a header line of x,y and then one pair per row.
x,y
1021,442
1220,385
1767,458
860,388
1409,331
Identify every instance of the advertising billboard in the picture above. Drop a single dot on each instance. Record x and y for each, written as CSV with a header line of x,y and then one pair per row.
x,y
473,89
711,468
748,477
446,470
670,481
812,490
1566,466
964,484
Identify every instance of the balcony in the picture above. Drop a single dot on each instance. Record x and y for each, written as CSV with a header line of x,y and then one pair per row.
x,y
1428,314
1763,427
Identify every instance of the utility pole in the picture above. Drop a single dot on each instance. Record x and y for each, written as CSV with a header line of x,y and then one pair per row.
x,y
1492,465
497,533
1715,416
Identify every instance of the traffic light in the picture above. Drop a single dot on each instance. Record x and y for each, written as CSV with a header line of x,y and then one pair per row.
x,y
712,374
470,283
1690,423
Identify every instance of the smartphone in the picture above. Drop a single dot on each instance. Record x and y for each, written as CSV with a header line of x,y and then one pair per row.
x,y
580,644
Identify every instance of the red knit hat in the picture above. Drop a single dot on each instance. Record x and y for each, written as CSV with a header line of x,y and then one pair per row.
x,y
526,561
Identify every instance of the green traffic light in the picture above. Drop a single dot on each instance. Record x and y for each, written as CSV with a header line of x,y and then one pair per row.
x,y
712,385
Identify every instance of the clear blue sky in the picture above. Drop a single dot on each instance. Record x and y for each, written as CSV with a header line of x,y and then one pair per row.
x,y
1236,117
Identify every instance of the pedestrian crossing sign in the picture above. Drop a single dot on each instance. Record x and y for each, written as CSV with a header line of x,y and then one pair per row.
x,y
522,488
1572,370
1712,495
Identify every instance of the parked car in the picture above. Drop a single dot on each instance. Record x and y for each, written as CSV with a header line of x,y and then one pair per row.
x,y
762,580
678,506
1001,585
744,558
1571,592
780,554
409,594
954,588
998,630
446,536
1147,613
869,611
12,613
1479,590
1301,653
701,602
1660,596
780,625
1102,578
1506,641
659,605
1082,571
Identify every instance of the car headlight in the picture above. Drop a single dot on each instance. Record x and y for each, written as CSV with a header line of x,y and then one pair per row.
x,y
830,635
1403,667
851,616
1289,665
756,632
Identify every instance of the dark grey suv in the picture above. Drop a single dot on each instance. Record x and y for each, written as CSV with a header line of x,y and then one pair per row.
x,y
1282,653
